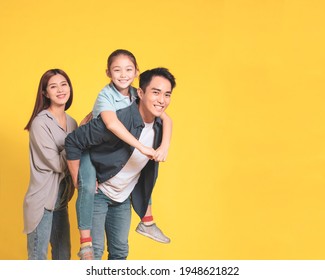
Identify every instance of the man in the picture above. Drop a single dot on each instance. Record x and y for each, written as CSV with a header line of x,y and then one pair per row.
x,y
122,170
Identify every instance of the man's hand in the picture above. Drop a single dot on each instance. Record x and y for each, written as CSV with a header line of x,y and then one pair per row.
x,y
161,154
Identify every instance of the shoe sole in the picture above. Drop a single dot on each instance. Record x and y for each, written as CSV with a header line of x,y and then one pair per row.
x,y
152,237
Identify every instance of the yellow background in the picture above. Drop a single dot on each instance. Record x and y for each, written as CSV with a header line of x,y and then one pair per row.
x,y
245,174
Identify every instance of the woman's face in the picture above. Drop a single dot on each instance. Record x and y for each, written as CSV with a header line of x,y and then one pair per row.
x,y
58,90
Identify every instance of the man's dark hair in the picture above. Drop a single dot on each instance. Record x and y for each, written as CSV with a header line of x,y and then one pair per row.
x,y
146,77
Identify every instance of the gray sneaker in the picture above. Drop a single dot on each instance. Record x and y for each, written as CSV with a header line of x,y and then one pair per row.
x,y
152,232
86,253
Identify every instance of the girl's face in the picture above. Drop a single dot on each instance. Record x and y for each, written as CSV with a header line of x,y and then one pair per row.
x,y
122,73
58,90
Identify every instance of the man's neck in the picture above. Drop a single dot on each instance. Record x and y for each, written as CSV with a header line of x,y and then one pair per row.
x,y
145,115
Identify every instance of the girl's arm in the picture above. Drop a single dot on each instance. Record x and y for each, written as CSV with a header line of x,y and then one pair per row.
x,y
162,151
113,124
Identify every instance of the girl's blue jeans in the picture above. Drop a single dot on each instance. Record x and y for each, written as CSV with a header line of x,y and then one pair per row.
x,y
86,192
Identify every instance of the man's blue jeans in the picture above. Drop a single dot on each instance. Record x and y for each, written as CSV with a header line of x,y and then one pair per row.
x,y
86,192
114,218
54,228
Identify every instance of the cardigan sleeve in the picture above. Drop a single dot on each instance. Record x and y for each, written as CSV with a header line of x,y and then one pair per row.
x,y
47,156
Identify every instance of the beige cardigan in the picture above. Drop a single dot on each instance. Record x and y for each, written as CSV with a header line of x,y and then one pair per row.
x,y
47,166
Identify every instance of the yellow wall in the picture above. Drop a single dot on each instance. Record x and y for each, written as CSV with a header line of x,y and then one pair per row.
x,y
245,175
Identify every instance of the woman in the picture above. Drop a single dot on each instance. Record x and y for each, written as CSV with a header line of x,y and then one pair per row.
x,y
46,217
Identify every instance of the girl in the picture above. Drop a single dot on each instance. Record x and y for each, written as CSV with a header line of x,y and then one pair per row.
x,y
122,69
50,188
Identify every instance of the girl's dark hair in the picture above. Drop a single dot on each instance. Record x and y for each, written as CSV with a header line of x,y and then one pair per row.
x,y
118,52
42,102
146,77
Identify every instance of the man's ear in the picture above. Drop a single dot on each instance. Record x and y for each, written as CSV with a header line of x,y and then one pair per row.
x,y
140,93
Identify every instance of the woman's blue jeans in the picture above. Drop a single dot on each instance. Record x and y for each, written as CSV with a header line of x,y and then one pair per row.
x,y
114,218
54,229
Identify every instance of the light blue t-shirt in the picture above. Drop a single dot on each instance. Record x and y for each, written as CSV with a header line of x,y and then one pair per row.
x,y
110,99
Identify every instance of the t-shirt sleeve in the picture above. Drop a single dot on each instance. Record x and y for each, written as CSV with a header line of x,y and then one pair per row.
x,y
104,102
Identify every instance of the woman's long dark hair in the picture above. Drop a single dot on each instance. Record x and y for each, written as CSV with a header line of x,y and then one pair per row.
x,y
42,102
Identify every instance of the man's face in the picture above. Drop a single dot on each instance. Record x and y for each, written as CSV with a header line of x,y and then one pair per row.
x,y
155,99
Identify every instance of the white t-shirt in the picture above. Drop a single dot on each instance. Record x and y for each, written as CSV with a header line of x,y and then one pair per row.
x,y
119,187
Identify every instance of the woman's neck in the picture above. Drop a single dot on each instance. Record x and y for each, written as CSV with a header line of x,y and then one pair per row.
x,y
59,114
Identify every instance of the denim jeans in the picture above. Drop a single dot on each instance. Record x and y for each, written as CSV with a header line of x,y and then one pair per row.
x,y
114,218
54,228
86,192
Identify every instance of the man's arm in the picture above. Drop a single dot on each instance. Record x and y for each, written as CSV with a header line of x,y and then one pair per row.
x,y
73,166
81,139
91,134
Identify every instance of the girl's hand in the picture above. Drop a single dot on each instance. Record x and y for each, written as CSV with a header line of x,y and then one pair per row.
x,y
147,151
96,187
